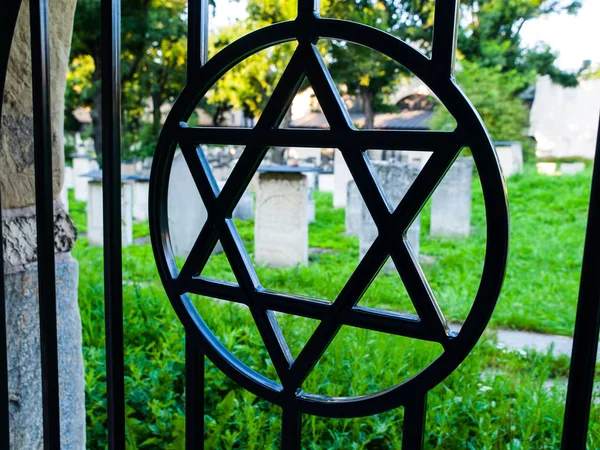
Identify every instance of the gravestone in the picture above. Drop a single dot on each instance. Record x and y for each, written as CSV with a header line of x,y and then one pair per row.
x,y
141,186
342,176
327,182
510,155
128,168
281,225
572,168
451,201
354,204
546,168
95,207
311,204
82,164
395,178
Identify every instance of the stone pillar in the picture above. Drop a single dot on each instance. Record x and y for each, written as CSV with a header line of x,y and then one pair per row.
x,y
327,182
451,201
95,220
354,204
141,188
341,175
17,184
281,226
396,179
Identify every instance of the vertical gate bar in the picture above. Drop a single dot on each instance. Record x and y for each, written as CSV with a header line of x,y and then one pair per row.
x,y
197,37
111,198
40,68
194,356
445,25
291,429
414,423
587,327
8,21
308,8
194,396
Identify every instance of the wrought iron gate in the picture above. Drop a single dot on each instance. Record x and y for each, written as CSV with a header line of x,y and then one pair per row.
x,y
306,62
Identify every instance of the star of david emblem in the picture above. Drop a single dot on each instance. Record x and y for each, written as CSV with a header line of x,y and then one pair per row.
x,y
428,324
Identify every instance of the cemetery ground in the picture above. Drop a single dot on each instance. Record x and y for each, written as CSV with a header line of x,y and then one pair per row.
x,y
498,398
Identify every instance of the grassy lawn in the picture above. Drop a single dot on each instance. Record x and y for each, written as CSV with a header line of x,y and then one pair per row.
x,y
496,399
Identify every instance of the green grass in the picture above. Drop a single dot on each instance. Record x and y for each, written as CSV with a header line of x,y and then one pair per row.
x,y
496,399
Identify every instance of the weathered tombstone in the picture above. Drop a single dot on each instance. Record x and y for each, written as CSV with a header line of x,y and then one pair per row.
x,y
95,221
395,179
82,164
414,158
354,204
546,168
451,201
327,182
510,155
341,175
141,185
311,204
281,225
572,168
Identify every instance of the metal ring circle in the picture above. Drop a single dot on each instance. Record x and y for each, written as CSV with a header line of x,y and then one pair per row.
x,y
491,180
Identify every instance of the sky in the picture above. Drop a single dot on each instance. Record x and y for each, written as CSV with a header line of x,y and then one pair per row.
x,y
575,38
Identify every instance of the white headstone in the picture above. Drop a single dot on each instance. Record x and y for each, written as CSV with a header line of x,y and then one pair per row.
x,y
128,168
95,214
186,210
327,182
354,205
140,200
572,168
546,168
510,155
281,226
341,175
451,201
311,204
395,179
82,165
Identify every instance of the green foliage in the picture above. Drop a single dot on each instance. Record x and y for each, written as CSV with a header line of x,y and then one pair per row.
x,y
492,92
496,399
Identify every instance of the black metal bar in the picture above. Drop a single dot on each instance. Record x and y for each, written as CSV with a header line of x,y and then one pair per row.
x,y
197,37
308,8
426,141
444,35
111,196
291,430
414,423
587,326
194,396
40,66
8,21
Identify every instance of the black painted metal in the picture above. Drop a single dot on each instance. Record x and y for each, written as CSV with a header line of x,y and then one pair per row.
x,y
194,396
111,194
40,66
8,21
587,327
429,324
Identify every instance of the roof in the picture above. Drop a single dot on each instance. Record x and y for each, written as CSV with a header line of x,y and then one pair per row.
x,y
283,168
404,120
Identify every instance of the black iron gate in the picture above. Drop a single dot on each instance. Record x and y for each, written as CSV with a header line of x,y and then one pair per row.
x,y
306,63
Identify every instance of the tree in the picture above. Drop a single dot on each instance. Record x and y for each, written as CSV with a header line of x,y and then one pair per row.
x,y
493,93
148,26
490,36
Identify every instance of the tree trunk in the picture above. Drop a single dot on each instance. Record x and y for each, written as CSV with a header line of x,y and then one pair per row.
x,y
367,99
157,102
278,153
97,111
